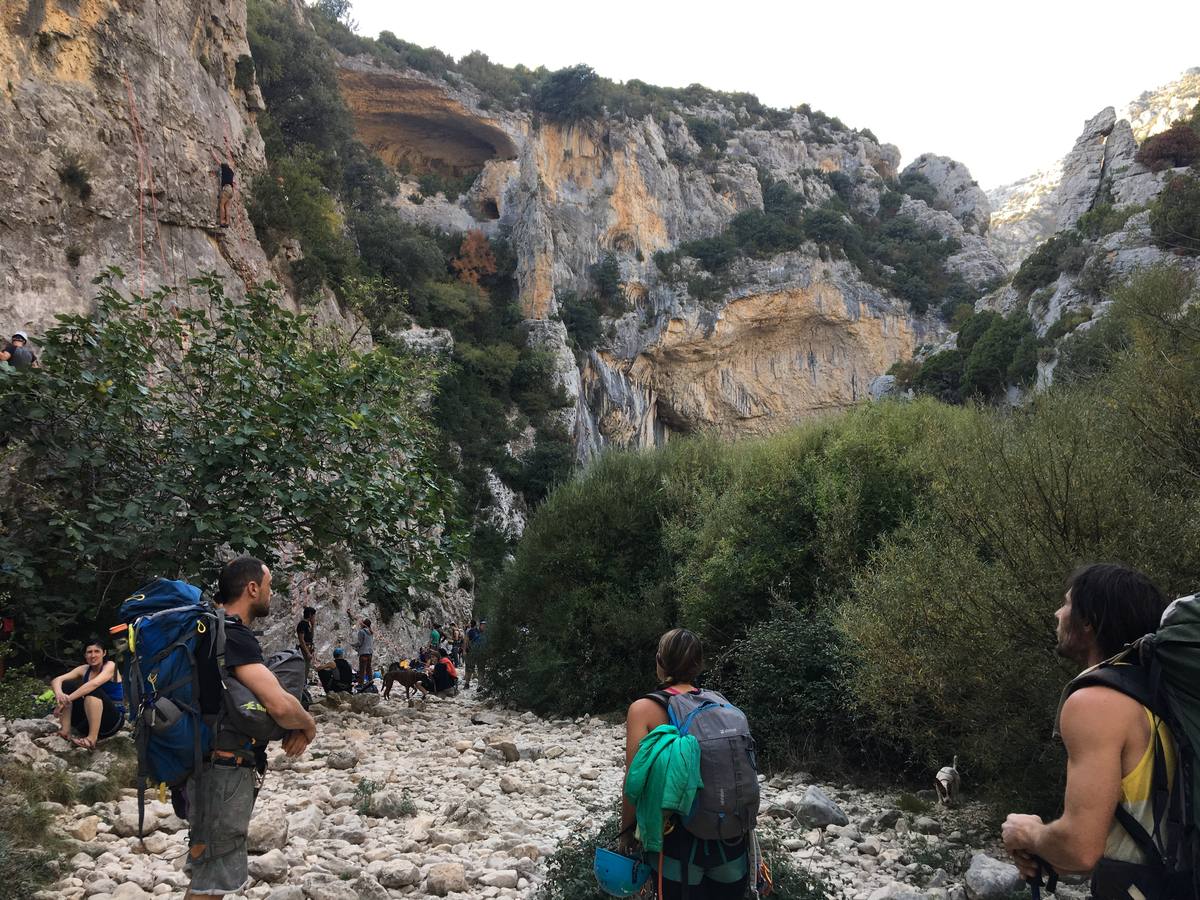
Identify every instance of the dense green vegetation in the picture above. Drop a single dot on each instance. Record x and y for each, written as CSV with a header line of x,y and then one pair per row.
x,y
877,588
1175,215
327,190
890,250
154,435
993,353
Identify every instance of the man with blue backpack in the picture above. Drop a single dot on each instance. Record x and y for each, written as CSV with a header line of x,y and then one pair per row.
x,y
205,705
221,799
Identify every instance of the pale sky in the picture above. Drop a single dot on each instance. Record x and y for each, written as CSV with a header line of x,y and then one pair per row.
x,y
1004,87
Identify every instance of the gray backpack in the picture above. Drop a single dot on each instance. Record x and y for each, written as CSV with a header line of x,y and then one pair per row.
x,y
244,715
726,805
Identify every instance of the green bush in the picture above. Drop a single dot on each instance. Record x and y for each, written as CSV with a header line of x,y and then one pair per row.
x,y
19,690
1043,265
789,675
282,406
569,874
593,551
569,94
951,620
708,134
1175,215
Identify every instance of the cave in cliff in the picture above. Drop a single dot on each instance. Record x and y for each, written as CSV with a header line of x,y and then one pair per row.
x,y
416,127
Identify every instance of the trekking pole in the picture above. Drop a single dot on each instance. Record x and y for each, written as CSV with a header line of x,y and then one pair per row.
x,y
1035,881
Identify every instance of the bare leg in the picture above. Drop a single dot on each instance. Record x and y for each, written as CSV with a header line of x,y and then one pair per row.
x,y
94,710
64,722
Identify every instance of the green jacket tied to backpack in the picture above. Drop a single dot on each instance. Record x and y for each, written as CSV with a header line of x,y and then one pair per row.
x,y
663,779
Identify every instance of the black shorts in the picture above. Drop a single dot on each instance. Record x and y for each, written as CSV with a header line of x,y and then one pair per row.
x,y
112,717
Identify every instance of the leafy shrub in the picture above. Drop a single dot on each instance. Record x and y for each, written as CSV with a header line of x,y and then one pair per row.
x,y
582,319
19,690
243,73
1067,323
952,616
592,552
1175,215
452,186
1004,354
1096,277
1178,146
940,376
789,676
280,409
1104,219
569,94
918,187
23,870
1043,265
569,874
708,134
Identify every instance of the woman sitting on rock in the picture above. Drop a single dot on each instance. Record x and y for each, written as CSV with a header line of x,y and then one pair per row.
x,y
663,781
91,699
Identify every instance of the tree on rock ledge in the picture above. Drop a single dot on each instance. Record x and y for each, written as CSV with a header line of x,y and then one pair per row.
x,y
152,437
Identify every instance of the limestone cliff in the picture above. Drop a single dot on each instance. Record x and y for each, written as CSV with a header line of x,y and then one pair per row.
x,y
1027,212
113,118
790,337
142,98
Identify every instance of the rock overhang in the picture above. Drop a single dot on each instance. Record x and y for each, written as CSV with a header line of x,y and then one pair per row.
x,y
415,124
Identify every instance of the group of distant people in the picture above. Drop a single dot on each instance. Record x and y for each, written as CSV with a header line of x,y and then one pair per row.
x,y
434,670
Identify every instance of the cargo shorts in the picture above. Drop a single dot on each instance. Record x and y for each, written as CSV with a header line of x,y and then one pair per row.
x,y
219,806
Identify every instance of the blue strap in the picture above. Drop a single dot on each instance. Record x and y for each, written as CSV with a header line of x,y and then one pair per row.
x,y
706,705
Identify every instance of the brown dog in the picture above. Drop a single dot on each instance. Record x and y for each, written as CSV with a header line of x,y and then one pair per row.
x,y
408,679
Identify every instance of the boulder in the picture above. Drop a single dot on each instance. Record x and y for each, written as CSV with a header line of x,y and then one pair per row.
x,y
444,878
36,727
343,759
897,891
501,878
927,825
287,892
271,867
268,831
367,888
510,785
816,808
399,874
323,886
130,891
990,879
391,805
306,822
84,829
509,751
362,703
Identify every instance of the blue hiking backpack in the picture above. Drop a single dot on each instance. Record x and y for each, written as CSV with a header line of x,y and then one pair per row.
x,y
170,627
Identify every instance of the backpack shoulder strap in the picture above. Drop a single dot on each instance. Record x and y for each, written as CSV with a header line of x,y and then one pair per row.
x,y
1130,679
662,698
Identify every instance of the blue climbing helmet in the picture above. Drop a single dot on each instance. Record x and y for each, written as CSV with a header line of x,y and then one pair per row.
x,y
621,876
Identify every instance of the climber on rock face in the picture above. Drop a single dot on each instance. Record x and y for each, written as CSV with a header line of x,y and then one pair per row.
x,y
225,173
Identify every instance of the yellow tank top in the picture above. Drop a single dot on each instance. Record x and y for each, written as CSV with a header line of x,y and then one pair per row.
x,y
1136,794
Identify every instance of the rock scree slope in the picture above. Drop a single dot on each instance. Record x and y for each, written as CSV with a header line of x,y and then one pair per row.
x,y
459,799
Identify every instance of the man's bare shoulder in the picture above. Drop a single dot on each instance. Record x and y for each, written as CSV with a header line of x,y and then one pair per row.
x,y
1097,710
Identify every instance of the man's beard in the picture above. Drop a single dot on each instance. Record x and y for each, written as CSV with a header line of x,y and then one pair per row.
x,y
1071,647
